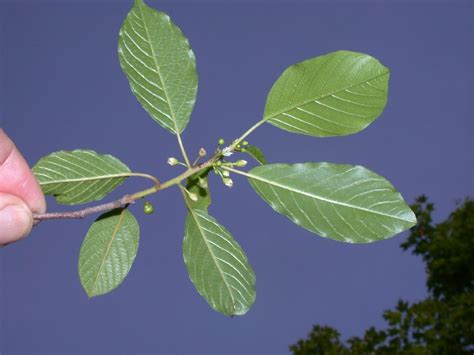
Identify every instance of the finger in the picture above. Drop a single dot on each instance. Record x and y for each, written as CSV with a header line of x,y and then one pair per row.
x,y
16,219
16,177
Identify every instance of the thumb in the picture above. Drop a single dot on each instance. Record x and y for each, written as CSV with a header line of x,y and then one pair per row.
x,y
16,218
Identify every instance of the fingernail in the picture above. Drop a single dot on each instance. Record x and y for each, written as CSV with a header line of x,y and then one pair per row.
x,y
15,223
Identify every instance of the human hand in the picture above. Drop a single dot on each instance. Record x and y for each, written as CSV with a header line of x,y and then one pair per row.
x,y
20,193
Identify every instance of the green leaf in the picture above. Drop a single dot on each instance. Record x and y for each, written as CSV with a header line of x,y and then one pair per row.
x,y
108,252
256,153
79,176
217,265
343,202
160,66
336,94
194,185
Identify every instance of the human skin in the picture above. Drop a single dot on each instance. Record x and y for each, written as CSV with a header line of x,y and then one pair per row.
x,y
20,193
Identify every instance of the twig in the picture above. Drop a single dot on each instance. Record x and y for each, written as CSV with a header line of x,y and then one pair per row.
x,y
122,202
127,199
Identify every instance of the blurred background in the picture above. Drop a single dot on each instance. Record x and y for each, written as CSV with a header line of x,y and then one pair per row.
x,y
62,88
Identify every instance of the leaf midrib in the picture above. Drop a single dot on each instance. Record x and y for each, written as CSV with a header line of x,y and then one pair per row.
x,y
321,198
212,254
292,107
107,251
176,131
92,178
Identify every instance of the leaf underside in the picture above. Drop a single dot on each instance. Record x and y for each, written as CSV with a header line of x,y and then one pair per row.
x,y
217,266
79,176
336,94
342,202
108,252
160,66
256,153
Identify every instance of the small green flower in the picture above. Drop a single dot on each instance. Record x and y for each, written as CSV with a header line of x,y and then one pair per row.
x,y
227,152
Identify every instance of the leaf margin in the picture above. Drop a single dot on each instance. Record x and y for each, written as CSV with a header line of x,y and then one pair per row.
x,y
92,233
64,155
409,222
229,312
301,65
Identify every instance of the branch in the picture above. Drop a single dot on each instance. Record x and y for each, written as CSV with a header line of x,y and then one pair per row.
x,y
122,202
127,199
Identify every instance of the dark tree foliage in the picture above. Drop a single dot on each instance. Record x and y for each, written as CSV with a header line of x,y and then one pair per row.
x,y
443,323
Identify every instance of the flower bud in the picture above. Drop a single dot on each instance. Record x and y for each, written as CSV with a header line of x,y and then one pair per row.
x,y
228,182
244,143
225,173
220,141
202,183
240,163
172,161
202,152
192,196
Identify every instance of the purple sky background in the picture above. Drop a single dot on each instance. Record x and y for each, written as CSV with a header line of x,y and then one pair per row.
x,y
62,88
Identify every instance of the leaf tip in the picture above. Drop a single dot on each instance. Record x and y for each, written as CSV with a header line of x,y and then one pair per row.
x,y
89,292
412,217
